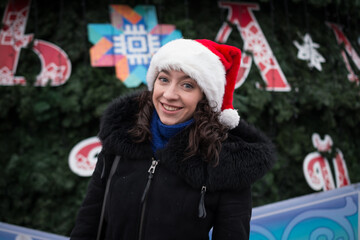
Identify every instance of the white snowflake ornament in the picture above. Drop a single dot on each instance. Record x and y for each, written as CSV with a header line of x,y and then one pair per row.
x,y
308,52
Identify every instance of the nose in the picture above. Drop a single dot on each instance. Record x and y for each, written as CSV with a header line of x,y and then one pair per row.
x,y
170,92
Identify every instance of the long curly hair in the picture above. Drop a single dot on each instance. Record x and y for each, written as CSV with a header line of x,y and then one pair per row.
x,y
206,133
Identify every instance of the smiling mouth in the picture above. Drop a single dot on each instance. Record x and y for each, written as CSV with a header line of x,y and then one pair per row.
x,y
170,108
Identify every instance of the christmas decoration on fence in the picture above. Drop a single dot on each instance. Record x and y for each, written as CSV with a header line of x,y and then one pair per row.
x,y
308,52
317,168
241,15
55,64
326,215
128,43
342,39
83,156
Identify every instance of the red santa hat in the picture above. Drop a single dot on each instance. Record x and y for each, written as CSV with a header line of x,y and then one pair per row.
x,y
213,66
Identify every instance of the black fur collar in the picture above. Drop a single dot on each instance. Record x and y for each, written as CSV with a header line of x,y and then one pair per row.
x,y
246,155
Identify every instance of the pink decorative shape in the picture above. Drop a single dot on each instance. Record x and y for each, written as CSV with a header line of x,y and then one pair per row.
x,y
108,60
163,29
322,145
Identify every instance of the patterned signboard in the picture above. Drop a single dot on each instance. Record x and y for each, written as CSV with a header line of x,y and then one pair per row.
x,y
129,42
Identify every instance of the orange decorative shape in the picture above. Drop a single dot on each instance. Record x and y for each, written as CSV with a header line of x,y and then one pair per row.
x,y
127,12
98,51
122,69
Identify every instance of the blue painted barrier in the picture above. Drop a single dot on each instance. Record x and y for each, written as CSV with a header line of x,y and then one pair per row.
x,y
325,215
12,232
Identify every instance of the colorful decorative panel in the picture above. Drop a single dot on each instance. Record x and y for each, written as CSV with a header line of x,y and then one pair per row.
x,y
129,42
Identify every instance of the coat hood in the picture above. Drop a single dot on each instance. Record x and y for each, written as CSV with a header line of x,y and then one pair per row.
x,y
246,155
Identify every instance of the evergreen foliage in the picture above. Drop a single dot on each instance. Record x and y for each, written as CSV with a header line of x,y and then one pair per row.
x,y
40,125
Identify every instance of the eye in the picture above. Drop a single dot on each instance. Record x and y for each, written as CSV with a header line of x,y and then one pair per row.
x,y
188,86
163,79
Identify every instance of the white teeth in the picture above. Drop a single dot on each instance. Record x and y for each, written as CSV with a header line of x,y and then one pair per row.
x,y
169,108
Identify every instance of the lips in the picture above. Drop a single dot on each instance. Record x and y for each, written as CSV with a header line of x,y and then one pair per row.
x,y
170,108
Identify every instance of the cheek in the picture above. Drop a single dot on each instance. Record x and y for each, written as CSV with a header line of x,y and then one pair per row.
x,y
193,102
155,92
198,97
153,97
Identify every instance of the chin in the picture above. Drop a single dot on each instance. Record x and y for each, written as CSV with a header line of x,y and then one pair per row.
x,y
169,122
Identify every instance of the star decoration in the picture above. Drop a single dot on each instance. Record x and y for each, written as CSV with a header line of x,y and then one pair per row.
x,y
308,52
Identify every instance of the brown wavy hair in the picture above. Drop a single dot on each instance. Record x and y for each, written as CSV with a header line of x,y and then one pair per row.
x,y
206,133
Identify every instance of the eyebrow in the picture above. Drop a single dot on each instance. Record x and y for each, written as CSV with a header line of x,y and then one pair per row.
x,y
182,78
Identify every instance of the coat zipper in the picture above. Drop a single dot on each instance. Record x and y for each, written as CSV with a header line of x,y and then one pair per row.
x,y
202,209
151,172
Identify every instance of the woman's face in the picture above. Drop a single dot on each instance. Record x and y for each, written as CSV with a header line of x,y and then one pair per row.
x,y
175,96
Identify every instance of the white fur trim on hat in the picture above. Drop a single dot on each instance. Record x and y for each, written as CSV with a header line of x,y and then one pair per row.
x,y
195,60
230,118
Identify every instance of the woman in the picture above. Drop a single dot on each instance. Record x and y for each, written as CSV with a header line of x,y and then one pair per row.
x,y
186,161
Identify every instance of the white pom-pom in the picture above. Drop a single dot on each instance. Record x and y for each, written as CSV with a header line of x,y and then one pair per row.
x,y
230,118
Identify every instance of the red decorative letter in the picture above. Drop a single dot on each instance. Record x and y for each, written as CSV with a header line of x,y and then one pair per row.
x,y
55,63
341,38
341,172
12,39
317,172
317,169
241,15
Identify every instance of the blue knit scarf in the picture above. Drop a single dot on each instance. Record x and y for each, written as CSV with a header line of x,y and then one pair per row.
x,y
161,133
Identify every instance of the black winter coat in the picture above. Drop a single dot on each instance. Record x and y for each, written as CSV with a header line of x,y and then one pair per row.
x,y
170,211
